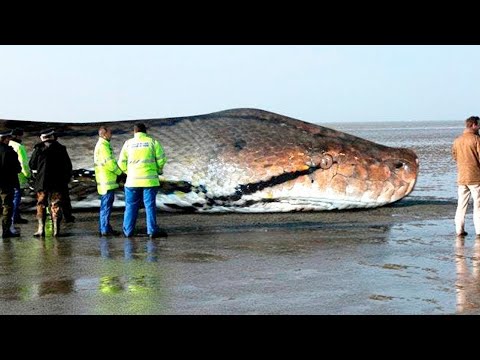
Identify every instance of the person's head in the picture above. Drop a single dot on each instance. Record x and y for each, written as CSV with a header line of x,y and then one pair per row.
x,y
472,122
48,135
17,134
105,133
139,127
5,136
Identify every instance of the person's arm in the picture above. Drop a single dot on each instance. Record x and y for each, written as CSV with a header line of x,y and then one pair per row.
x,y
123,158
23,158
109,161
160,157
478,146
33,163
13,162
68,165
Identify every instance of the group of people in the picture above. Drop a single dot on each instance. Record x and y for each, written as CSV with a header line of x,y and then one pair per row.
x,y
50,169
139,165
141,160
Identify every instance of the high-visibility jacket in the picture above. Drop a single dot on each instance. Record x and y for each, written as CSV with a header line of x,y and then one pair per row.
x,y
106,168
25,174
142,159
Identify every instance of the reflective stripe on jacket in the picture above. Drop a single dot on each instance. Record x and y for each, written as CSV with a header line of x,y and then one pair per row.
x,y
142,159
25,174
106,168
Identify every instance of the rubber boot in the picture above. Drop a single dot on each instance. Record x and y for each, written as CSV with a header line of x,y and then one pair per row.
x,y
6,233
57,214
56,226
41,228
41,217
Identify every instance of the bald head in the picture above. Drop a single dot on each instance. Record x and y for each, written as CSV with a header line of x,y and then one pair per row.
x,y
105,133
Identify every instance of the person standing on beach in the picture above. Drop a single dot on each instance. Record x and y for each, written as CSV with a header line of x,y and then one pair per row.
x,y
53,168
67,211
106,173
142,158
466,153
9,169
23,176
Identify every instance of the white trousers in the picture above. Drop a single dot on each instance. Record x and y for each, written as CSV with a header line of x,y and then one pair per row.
x,y
464,194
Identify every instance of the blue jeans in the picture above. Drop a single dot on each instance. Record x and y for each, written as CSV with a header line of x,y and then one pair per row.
x,y
17,197
106,204
133,196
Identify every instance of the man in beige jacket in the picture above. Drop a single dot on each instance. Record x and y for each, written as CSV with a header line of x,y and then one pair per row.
x,y
466,152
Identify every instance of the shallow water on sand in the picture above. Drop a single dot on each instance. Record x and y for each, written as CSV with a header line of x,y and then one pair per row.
x,y
398,259
392,260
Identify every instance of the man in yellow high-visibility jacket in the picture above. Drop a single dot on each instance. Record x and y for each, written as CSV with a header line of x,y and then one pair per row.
x,y
142,158
106,172
23,176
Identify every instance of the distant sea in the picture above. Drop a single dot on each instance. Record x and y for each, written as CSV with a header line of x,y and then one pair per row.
x,y
432,142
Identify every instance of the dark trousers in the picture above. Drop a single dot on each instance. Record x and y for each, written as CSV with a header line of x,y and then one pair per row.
x,y
17,198
66,205
6,203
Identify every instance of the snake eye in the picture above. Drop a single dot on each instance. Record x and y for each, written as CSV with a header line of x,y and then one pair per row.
x,y
326,161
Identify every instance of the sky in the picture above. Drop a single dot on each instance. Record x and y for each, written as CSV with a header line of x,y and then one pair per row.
x,y
319,84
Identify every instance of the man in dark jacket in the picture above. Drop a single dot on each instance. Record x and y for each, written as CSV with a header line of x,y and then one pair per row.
x,y
53,167
9,169
66,202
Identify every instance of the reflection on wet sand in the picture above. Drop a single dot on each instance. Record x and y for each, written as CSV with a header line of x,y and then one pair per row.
x,y
131,285
125,279
468,282
34,265
348,263
131,249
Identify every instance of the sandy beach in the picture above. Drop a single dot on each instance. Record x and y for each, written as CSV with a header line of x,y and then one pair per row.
x,y
398,259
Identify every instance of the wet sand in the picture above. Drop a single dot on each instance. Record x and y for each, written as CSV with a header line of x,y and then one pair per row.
x,y
399,259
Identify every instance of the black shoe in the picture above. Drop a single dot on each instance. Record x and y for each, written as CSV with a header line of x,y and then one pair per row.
x,y
158,234
114,232
110,232
70,219
20,221
9,234
464,233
